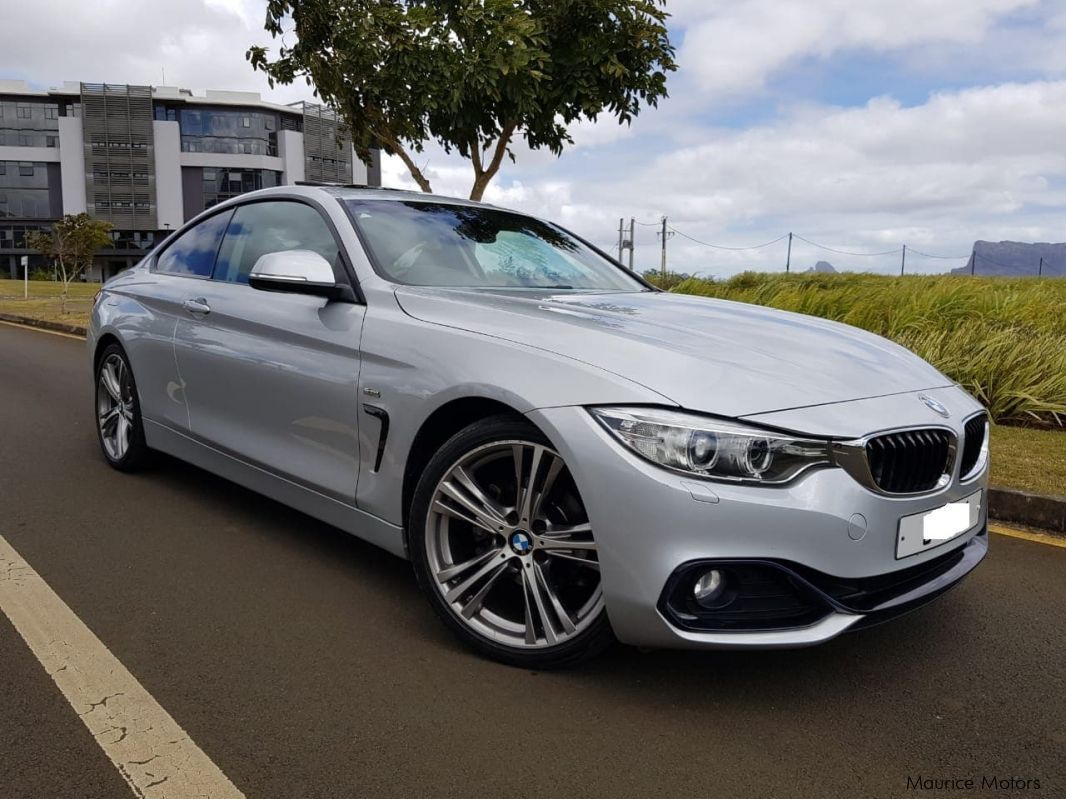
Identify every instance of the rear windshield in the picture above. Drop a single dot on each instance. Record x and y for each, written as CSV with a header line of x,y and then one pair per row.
x,y
436,244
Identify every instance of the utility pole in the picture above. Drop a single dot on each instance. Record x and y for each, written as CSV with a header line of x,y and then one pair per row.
x,y
1040,270
973,261
632,240
903,261
788,257
664,235
620,241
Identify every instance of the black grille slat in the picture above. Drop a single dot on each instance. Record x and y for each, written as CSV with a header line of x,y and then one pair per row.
x,y
909,461
973,440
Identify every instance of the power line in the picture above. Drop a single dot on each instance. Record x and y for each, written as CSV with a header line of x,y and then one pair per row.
x,y
723,247
846,252
943,257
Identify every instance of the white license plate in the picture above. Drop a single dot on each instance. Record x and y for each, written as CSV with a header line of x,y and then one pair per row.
x,y
932,528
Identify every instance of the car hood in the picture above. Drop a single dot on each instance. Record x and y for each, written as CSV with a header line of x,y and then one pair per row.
x,y
709,355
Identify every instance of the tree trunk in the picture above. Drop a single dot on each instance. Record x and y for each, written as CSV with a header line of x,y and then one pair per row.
x,y
482,177
412,167
66,287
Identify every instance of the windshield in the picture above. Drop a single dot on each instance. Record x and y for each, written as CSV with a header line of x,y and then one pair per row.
x,y
437,244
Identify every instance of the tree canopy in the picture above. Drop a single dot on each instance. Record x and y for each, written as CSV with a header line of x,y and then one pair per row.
x,y
471,75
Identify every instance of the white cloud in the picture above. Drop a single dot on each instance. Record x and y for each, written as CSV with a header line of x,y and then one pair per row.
x,y
986,163
736,47
199,43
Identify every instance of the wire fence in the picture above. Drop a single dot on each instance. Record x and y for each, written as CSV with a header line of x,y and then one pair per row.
x,y
793,252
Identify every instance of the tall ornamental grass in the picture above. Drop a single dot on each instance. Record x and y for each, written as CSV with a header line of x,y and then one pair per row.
x,y
1003,339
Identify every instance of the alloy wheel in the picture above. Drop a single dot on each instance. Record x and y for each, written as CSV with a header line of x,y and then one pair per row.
x,y
115,406
510,547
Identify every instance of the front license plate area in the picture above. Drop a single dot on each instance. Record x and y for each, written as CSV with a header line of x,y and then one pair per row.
x,y
932,528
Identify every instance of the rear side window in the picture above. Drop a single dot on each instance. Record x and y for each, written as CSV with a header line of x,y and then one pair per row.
x,y
261,228
193,252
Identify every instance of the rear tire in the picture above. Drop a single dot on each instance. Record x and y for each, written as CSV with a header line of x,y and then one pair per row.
x,y
119,426
502,548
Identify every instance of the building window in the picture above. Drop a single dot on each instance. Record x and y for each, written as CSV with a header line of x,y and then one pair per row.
x,y
26,170
228,131
25,140
24,111
3,168
51,141
51,112
224,184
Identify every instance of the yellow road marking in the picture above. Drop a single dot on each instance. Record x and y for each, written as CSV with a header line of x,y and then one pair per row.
x,y
42,330
1040,538
156,757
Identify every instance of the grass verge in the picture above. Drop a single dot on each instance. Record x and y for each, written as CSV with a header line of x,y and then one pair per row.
x,y
45,301
1029,459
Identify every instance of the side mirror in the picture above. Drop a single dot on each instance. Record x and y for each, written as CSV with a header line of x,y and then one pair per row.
x,y
296,272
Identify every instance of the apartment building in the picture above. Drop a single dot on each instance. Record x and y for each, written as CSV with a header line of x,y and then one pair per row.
x,y
148,158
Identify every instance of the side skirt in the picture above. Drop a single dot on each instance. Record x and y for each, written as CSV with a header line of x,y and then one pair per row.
x,y
347,517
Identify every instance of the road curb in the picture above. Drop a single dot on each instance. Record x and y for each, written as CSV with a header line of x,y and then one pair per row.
x,y
44,324
1033,510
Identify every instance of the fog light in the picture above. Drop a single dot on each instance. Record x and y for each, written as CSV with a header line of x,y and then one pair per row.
x,y
708,587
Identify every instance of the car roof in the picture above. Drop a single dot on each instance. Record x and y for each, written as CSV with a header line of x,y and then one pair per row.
x,y
357,192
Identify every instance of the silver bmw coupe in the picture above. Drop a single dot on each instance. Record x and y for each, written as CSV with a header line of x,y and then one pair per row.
x,y
565,454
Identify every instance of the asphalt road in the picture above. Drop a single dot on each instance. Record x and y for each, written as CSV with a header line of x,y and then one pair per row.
x,y
305,663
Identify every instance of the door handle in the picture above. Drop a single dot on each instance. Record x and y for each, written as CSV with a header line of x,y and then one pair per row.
x,y
197,305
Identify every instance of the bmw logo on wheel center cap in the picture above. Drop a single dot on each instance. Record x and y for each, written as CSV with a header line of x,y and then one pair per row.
x,y
521,543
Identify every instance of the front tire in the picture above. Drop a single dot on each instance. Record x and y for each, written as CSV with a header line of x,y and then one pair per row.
x,y
119,427
503,549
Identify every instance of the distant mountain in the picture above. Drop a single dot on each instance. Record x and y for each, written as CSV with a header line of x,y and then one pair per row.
x,y
1015,259
822,266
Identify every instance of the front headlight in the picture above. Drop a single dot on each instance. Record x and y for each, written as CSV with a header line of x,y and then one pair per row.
x,y
711,448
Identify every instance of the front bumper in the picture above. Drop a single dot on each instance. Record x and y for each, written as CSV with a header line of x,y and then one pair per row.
x,y
649,523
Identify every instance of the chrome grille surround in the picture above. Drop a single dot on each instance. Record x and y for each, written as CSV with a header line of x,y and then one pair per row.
x,y
974,455
907,447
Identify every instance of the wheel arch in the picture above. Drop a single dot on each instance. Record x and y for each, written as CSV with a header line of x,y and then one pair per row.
x,y
102,343
438,427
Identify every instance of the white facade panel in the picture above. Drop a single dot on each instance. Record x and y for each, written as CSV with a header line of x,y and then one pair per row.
x,y
291,150
47,154
360,174
72,165
167,143
232,161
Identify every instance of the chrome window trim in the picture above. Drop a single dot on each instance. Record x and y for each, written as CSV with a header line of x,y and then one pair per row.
x,y
851,457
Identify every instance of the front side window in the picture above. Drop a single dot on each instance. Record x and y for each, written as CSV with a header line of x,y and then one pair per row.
x,y
261,228
193,252
426,243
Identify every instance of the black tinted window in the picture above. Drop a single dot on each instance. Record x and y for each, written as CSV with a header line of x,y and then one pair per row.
x,y
261,228
193,252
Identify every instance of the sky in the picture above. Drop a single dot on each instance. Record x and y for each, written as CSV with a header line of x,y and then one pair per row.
x,y
859,126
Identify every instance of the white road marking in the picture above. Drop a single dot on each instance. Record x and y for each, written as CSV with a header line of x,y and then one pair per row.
x,y
155,756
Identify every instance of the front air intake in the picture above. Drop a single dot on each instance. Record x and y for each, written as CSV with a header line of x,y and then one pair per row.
x,y
910,461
